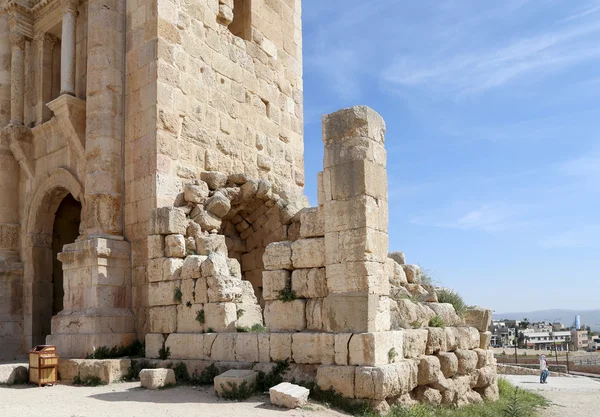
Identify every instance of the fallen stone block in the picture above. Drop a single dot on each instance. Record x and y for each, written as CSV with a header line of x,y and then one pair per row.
x,y
288,395
13,373
157,378
235,379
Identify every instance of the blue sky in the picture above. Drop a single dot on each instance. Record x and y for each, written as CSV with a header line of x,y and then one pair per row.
x,y
493,123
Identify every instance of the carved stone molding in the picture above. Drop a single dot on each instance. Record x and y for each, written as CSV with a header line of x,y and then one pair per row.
x,y
70,112
20,144
70,6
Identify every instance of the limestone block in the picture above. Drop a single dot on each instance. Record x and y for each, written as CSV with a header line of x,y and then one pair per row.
x,y
280,346
468,338
395,273
187,318
341,351
218,204
311,222
264,347
157,378
479,318
315,314
288,395
215,265
235,378
429,370
358,121
415,342
309,283
191,266
486,376
248,296
220,317
484,340
162,319
162,293
349,313
363,244
372,349
385,381
317,348
196,194
467,361
398,257
308,253
278,255
207,221
214,179
156,246
186,345
175,246
17,373
413,273
154,342
201,291
446,312
448,363
223,289
235,269
490,393
282,316
172,268
207,243
482,358
452,338
167,221
429,396
274,282
223,347
436,341
248,315
366,277
338,378
246,347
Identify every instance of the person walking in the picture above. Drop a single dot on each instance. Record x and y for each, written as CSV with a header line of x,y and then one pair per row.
x,y
543,369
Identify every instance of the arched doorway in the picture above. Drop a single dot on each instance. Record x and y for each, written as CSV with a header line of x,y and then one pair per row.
x,y
65,230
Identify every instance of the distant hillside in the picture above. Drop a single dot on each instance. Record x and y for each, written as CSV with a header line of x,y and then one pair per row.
x,y
567,317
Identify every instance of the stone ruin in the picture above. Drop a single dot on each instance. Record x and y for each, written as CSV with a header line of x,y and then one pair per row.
x,y
334,302
151,188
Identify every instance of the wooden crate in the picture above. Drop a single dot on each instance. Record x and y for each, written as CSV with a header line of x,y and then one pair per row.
x,y
43,365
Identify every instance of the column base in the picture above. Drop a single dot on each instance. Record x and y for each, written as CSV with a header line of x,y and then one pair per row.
x,y
97,283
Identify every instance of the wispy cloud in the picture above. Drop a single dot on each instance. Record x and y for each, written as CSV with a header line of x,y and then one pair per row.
x,y
490,217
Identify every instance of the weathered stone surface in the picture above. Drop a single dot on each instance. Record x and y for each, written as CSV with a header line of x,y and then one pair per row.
x,y
215,265
315,314
278,255
447,313
415,342
285,316
316,348
308,253
413,273
168,220
467,361
311,222
222,347
214,179
191,266
385,381
468,338
478,318
186,346
429,395
309,283
207,243
274,282
234,378
372,349
156,246
157,378
288,395
187,318
280,346
196,193
398,257
154,341
162,319
223,289
448,364
16,373
429,370
218,204
436,341
485,339
338,378
395,273
220,316
175,246
246,347
248,315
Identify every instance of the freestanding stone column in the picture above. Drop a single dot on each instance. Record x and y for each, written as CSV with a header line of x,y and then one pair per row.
x,y
67,52
354,188
17,79
97,267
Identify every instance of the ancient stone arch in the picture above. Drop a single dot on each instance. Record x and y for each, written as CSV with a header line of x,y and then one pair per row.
x,y
37,250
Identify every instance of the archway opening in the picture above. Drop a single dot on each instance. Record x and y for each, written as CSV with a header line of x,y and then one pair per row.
x,y
64,231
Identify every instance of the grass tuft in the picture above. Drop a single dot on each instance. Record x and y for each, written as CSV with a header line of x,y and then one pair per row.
x,y
452,297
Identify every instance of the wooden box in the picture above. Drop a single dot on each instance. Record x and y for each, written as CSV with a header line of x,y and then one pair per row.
x,y
43,365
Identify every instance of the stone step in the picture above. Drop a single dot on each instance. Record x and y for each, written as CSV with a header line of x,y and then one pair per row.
x,y
289,395
234,378
157,378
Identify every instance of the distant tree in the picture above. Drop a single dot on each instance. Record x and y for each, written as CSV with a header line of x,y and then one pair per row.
x,y
521,339
524,324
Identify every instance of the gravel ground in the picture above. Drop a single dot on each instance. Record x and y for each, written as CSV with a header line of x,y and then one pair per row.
x,y
129,400
570,397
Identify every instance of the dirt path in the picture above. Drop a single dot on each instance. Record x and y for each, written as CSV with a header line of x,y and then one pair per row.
x,y
570,397
129,400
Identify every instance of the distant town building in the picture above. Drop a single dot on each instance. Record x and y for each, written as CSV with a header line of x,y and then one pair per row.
x,y
579,339
547,340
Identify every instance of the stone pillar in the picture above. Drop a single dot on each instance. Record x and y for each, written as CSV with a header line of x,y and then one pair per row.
x,y
17,79
44,45
97,267
67,51
355,204
104,129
